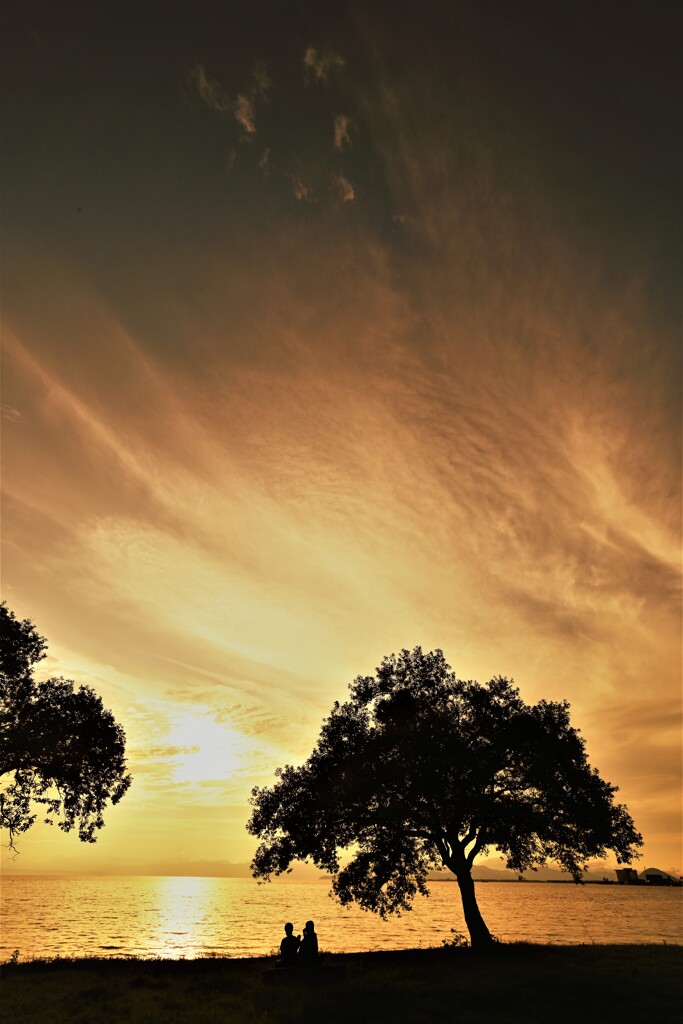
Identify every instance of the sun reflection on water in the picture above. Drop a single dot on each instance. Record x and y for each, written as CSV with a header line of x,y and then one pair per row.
x,y
184,910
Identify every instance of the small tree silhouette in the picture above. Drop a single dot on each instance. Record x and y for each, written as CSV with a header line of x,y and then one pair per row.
x,y
59,746
419,770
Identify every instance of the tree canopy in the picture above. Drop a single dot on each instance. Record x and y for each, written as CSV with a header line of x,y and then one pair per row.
x,y
420,770
59,747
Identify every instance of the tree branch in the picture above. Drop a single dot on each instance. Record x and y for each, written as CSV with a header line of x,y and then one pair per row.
x,y
474,851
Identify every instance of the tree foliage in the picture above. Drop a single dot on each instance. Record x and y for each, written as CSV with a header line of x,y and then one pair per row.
x,y
59,747
420,770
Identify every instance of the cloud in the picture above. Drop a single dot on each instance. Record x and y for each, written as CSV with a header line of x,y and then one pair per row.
x,y
302,191
341,132
11,414
212,92
244,107
262,81
165,751
344,187
342,440
216,97
244,114
318,66
264,161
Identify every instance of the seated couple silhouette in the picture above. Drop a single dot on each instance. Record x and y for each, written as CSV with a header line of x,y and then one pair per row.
x,y
296,951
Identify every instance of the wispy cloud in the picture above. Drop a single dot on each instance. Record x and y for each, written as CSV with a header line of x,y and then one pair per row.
x,y
271,455
319,66
11,414
301,189
262,81
216,97
341,132
211,91
244,114
344,188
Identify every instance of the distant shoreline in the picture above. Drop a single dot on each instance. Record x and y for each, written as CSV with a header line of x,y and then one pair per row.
x,y
65,875
564,881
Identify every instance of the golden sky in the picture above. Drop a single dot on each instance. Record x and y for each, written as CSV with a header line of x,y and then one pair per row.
x,y
329,332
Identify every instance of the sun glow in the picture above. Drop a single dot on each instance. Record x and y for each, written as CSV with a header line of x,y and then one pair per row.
x,y
205,750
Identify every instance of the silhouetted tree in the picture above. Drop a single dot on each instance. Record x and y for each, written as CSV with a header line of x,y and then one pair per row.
x,y
419,769
59,746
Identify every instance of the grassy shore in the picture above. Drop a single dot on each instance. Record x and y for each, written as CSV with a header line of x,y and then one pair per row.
x,y
515,984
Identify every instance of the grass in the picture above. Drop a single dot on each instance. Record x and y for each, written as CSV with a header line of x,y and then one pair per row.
x,y
515,984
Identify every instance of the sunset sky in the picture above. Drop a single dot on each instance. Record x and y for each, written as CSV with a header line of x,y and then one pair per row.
x,y
328,330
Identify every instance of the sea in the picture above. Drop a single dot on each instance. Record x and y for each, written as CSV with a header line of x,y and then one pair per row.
x,y
175,917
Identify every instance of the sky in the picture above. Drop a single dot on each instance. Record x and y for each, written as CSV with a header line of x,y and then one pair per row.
x,y
331,330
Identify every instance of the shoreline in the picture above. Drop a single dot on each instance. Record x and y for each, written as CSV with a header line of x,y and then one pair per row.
x,y
499,948
519,983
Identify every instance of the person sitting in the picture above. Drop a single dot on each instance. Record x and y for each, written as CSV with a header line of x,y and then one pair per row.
x,y
289,946
308,948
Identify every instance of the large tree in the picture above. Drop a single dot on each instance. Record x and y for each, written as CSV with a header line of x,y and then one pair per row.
x,y
419,770
59,747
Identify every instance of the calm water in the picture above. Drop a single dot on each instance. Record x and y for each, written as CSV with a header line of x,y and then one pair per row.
x,y
173,917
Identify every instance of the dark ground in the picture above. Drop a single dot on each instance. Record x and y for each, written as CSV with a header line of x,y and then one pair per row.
x,y
515,984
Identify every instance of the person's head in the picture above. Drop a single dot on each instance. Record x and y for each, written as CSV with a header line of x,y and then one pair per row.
x,y
289,928
309,927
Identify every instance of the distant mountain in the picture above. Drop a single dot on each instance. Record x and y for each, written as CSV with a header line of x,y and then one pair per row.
x,y
491,870
484,873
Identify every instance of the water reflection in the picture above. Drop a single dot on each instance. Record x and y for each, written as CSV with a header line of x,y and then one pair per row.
x,y
175,917
179,915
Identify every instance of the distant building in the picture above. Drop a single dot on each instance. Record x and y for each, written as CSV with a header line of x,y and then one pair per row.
x,y
653,876
627,876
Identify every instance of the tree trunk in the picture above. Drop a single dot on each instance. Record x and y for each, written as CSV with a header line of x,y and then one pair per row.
x,y
480,936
